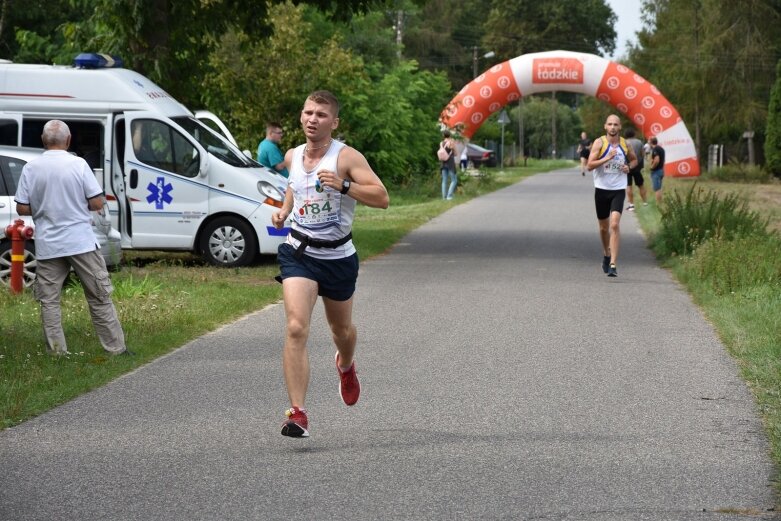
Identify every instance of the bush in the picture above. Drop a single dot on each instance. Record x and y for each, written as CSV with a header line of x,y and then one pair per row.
x,y
738,172
691,219
736,266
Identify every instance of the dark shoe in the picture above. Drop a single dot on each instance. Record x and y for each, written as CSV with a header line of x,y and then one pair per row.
x,y
611,271
126,352
605,263
349,386
297,423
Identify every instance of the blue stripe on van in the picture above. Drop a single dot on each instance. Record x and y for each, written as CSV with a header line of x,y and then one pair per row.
x,y
273,232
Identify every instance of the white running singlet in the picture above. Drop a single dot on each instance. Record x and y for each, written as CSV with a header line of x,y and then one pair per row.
x,y
610,176
320,212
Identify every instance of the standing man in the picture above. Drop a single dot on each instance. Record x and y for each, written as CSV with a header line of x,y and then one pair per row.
x,y
657,169
609,161
269,154
635,174
59,190
584,149
327,177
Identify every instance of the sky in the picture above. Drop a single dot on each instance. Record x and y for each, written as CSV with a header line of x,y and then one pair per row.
x,y
629,22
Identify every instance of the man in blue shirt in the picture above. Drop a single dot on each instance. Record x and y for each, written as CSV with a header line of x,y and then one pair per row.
x,y
269,154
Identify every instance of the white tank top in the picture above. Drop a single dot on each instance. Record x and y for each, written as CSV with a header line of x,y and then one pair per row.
x,y
610,176
320,212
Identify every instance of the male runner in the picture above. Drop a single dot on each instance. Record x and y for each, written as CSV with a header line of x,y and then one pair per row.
x,y
609,161
326,179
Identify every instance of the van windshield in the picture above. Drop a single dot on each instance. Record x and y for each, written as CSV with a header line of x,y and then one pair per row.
x,y
214,143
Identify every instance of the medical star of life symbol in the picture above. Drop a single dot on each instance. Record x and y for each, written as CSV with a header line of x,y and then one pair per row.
x,y
159,193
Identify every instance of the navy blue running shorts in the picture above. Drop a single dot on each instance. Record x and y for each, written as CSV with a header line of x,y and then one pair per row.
x,y
335,277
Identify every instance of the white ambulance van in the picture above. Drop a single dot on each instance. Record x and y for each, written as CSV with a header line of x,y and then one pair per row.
x,y
171,182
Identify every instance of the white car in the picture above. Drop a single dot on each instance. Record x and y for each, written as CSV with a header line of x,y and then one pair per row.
x,y
12,159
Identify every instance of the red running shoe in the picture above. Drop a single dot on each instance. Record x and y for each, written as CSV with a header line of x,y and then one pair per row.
x,y
297,424
349,386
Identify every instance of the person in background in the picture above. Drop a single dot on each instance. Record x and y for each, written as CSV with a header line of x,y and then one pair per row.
x,y
448,167
318,258
657,169
635,174
584,149
610,160
269,154
59,190
464,157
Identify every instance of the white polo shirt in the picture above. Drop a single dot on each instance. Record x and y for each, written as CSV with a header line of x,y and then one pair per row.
x,y
57,186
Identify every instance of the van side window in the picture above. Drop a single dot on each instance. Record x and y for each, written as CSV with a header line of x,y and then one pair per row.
x,y
159,145
9,130
86,138
12,170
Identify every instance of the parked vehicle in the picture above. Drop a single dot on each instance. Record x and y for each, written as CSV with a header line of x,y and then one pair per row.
x,y
479,156
12,160
171,182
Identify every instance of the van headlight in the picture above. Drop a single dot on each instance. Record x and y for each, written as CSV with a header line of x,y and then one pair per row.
x,y
271,195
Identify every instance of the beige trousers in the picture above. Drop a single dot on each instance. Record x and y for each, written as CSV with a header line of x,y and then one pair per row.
x,y
90,267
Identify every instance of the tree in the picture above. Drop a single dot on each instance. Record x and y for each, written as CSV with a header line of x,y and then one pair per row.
x,y
389,116
538,131
168,41
516,27
442,34
714,62
773,132
593,113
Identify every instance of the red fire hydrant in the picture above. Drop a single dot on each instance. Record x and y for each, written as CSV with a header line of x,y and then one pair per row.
x,y
18,233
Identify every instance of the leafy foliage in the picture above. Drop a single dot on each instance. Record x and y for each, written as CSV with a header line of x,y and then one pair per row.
x,y
700,215
383,113
773,131
740,264
714,62
537,116
516,27
736,171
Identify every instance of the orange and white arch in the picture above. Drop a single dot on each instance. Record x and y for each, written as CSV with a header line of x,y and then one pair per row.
x,y
613,83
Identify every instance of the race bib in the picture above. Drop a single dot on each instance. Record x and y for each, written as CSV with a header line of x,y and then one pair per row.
x,y
322,208
613,167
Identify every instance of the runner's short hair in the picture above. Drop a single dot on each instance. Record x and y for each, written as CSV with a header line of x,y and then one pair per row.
x,y
324,97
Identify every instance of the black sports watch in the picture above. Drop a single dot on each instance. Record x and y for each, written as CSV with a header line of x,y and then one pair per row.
x,y
345,186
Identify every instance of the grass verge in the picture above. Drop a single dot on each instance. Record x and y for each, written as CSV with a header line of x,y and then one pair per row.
x,y
166,300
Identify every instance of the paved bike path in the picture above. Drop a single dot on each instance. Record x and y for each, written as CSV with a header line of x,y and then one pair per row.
x,y
504,377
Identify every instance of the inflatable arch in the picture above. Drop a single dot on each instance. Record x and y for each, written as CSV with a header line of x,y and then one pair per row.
x,y
589,74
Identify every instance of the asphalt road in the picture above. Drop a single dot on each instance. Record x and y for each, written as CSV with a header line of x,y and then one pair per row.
x,y
504,377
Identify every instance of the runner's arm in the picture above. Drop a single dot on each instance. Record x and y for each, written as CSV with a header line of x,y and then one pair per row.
x,y
365,186
593,157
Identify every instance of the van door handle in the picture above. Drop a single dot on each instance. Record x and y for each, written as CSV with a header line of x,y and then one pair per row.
x,y
2,205
133,178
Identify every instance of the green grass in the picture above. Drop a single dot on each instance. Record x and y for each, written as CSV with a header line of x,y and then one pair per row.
x,y
165,300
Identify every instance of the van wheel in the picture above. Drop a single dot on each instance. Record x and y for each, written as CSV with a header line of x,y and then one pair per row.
x,y
228,242
30,263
